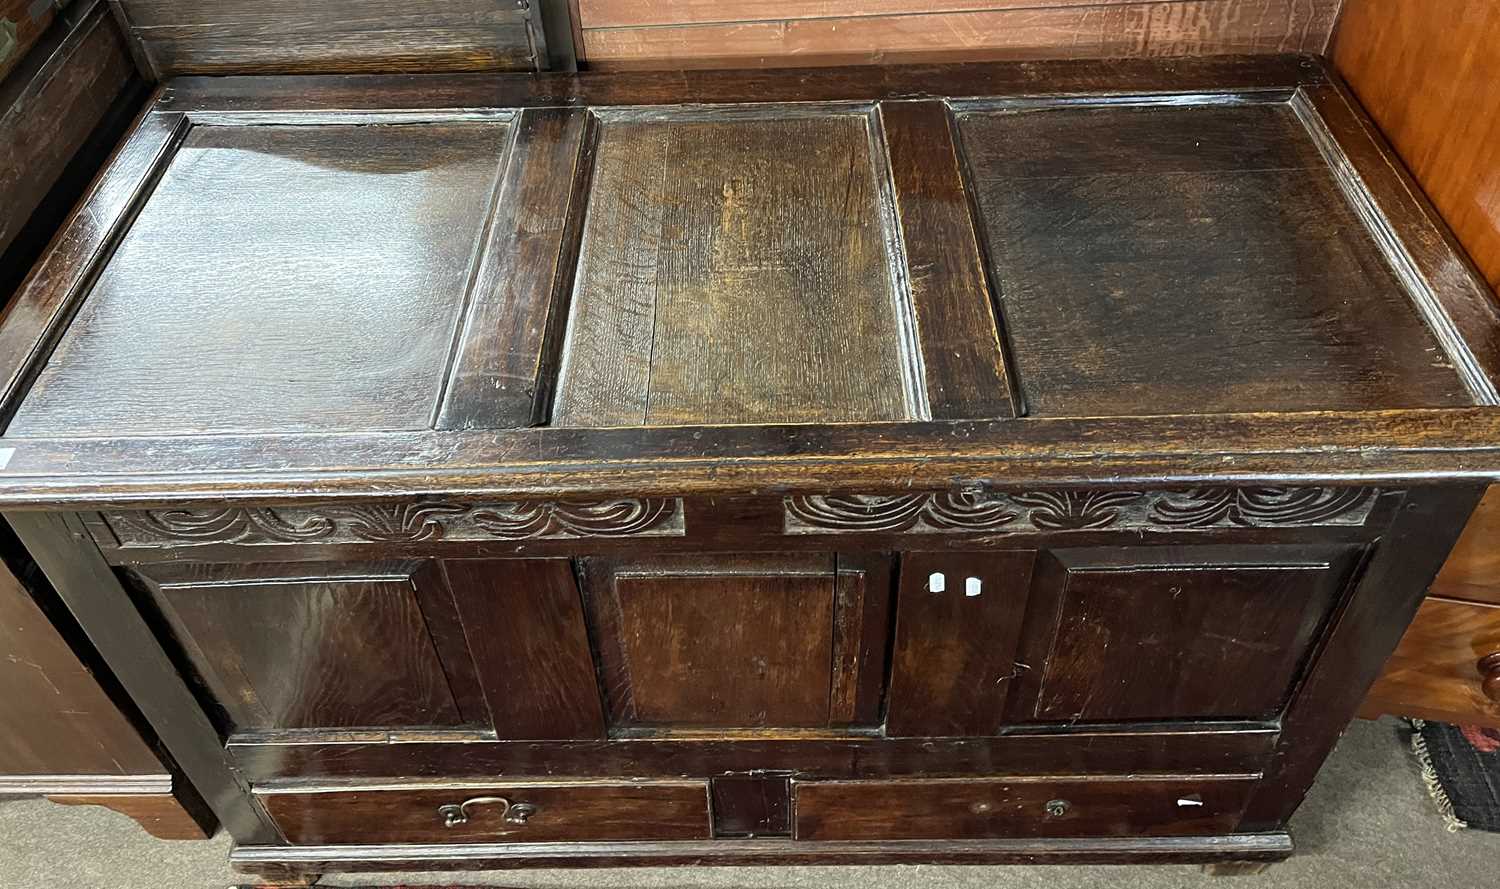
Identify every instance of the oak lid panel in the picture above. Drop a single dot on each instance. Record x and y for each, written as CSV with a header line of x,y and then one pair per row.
x,y
735,270
280,278
1190,258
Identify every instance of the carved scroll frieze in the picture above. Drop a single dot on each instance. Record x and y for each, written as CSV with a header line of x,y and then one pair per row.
x,y
399,522
1080,510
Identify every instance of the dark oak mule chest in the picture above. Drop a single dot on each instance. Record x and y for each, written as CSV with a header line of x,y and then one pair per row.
x,y
1003,462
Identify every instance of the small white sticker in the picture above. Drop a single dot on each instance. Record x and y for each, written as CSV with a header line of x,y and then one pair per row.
x,y
5,455
1188,801
972,587
936,582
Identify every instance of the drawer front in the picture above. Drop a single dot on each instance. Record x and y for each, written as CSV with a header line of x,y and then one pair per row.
x,y
997,808
1441,667
494,813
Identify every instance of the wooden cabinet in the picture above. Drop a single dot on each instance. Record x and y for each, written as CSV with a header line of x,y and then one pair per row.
x,y
948,464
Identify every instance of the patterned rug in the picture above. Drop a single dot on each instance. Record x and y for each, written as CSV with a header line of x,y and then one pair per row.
x,y
1461,765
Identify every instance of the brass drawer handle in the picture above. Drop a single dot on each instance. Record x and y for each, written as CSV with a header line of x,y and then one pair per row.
x,y
455,814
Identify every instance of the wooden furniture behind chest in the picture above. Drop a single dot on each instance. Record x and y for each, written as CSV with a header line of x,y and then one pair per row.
x,y
958,463
1430,75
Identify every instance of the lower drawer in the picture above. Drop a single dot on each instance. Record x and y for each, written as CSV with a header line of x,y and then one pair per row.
x,y
521,812
966,808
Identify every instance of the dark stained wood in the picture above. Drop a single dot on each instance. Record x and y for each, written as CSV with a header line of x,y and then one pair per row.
x,y
1453,297
160,815
1160,749
955,654
1249,449
693,582
734,270
863,590
52,101
1429,77
525,629
594,811
284,647
633,34
729,641
1386,595
1219,248
751,805
126,642
506,358
192,282
240,36
1436,672
282,860
1193,632
968,808
1273,75
954,313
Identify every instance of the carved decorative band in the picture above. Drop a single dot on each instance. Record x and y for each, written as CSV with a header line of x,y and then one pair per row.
x,y
399,522
1197,509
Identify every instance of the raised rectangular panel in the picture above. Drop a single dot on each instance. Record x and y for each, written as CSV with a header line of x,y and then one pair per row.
x,y
1144,633
1189,259
735,268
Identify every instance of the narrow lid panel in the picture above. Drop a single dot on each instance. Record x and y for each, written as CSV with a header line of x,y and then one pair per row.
x,y
734,269
1166,259
280,278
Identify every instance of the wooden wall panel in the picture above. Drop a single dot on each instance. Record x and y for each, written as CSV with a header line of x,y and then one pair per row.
x,y
703,33
1429,73
49,107
332,36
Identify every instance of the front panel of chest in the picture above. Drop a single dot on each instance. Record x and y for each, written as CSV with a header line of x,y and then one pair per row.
x,y
757,646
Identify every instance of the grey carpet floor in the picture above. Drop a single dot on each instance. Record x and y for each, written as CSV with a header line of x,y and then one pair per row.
x,y
1368,824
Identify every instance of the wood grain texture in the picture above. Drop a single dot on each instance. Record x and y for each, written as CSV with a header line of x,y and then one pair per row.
x,y
525,627
1429,76
1199,633
129,645
1201,749
160,815
344,646
955,654
281,861
54,99
228,36
741,642
734,270
57,718
970,808
594,811
505,365
1434,674
1390,586
379,223
954,312
1215,232
1472,572
846,33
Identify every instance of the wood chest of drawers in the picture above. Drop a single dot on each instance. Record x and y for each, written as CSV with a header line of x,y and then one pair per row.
x,y
972,463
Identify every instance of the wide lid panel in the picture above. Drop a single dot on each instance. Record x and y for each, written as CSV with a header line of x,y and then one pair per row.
x,y
1190,259
280,278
